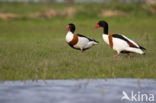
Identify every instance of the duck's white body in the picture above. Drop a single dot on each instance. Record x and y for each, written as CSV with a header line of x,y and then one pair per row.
x,y
120,45
82,43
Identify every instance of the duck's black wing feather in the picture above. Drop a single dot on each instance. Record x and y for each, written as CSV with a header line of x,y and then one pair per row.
x,y
142,48
120,37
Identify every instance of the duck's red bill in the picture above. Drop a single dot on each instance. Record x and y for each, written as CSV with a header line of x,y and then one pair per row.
x,y
68,28
97,26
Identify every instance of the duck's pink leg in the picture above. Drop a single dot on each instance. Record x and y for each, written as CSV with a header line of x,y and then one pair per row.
x,y
116,55
81,50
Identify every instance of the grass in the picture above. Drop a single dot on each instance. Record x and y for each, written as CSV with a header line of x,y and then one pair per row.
x,y
83,9
36,49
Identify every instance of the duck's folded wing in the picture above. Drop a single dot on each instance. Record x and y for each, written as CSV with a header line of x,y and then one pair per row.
x,y
130,42
90,39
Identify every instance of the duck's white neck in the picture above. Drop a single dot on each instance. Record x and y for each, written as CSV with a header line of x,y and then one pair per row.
x,y
69,36
105,38
105,34
69,32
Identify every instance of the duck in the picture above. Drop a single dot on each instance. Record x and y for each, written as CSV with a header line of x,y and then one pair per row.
x,y
78,41
118,42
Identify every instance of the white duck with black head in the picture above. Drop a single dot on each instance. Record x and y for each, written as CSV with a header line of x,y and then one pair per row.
x,y
78,41
118,42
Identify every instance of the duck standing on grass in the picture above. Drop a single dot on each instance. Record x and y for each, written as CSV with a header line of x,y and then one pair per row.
x,y
78,41
118,42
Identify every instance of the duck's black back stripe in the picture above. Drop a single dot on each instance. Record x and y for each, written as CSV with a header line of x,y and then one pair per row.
x,y
120,37
87,38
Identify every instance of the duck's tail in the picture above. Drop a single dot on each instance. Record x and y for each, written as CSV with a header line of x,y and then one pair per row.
x,y
142,48
135,50
95,42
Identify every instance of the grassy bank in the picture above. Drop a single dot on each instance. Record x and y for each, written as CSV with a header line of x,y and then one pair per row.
x,y
36,49
91,10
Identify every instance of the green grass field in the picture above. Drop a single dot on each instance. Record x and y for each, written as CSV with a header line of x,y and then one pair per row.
x,y
36,48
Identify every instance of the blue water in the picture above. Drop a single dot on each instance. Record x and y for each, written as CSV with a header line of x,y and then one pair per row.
x,y
74,91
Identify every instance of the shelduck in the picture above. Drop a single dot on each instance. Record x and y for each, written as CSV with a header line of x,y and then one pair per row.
x,y
118,42
78,41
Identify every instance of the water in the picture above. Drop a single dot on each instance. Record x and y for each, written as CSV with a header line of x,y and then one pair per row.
x,y
74,0
73,91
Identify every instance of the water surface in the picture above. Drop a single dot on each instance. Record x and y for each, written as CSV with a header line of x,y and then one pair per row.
x,y
74,91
